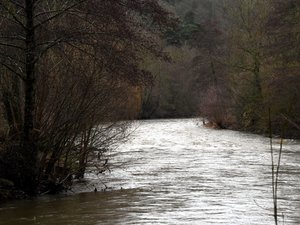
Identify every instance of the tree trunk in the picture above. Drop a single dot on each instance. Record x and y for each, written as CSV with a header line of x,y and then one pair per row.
x,y
28,143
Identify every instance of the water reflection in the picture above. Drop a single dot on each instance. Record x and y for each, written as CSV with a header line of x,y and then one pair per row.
x,y
175,172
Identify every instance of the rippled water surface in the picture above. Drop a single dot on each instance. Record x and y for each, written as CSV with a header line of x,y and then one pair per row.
x,y
178,172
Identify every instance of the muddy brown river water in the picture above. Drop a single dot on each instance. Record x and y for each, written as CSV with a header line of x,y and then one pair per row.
x,y
177,172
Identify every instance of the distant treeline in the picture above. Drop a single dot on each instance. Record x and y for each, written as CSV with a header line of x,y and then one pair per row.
x,y
234,62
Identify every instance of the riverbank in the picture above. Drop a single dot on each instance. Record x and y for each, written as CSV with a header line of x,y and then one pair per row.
x,y
9,193
276,132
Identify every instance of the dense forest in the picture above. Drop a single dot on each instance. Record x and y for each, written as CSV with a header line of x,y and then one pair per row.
x,y
235,63
74,73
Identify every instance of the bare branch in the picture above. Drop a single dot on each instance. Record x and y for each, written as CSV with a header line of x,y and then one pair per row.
x,y
11,46
12,70
13,15
60,13
18,38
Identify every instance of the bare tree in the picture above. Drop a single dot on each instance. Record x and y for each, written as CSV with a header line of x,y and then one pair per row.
x,y
44,44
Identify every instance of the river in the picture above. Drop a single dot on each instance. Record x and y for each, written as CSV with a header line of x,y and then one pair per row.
x,y
177,172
